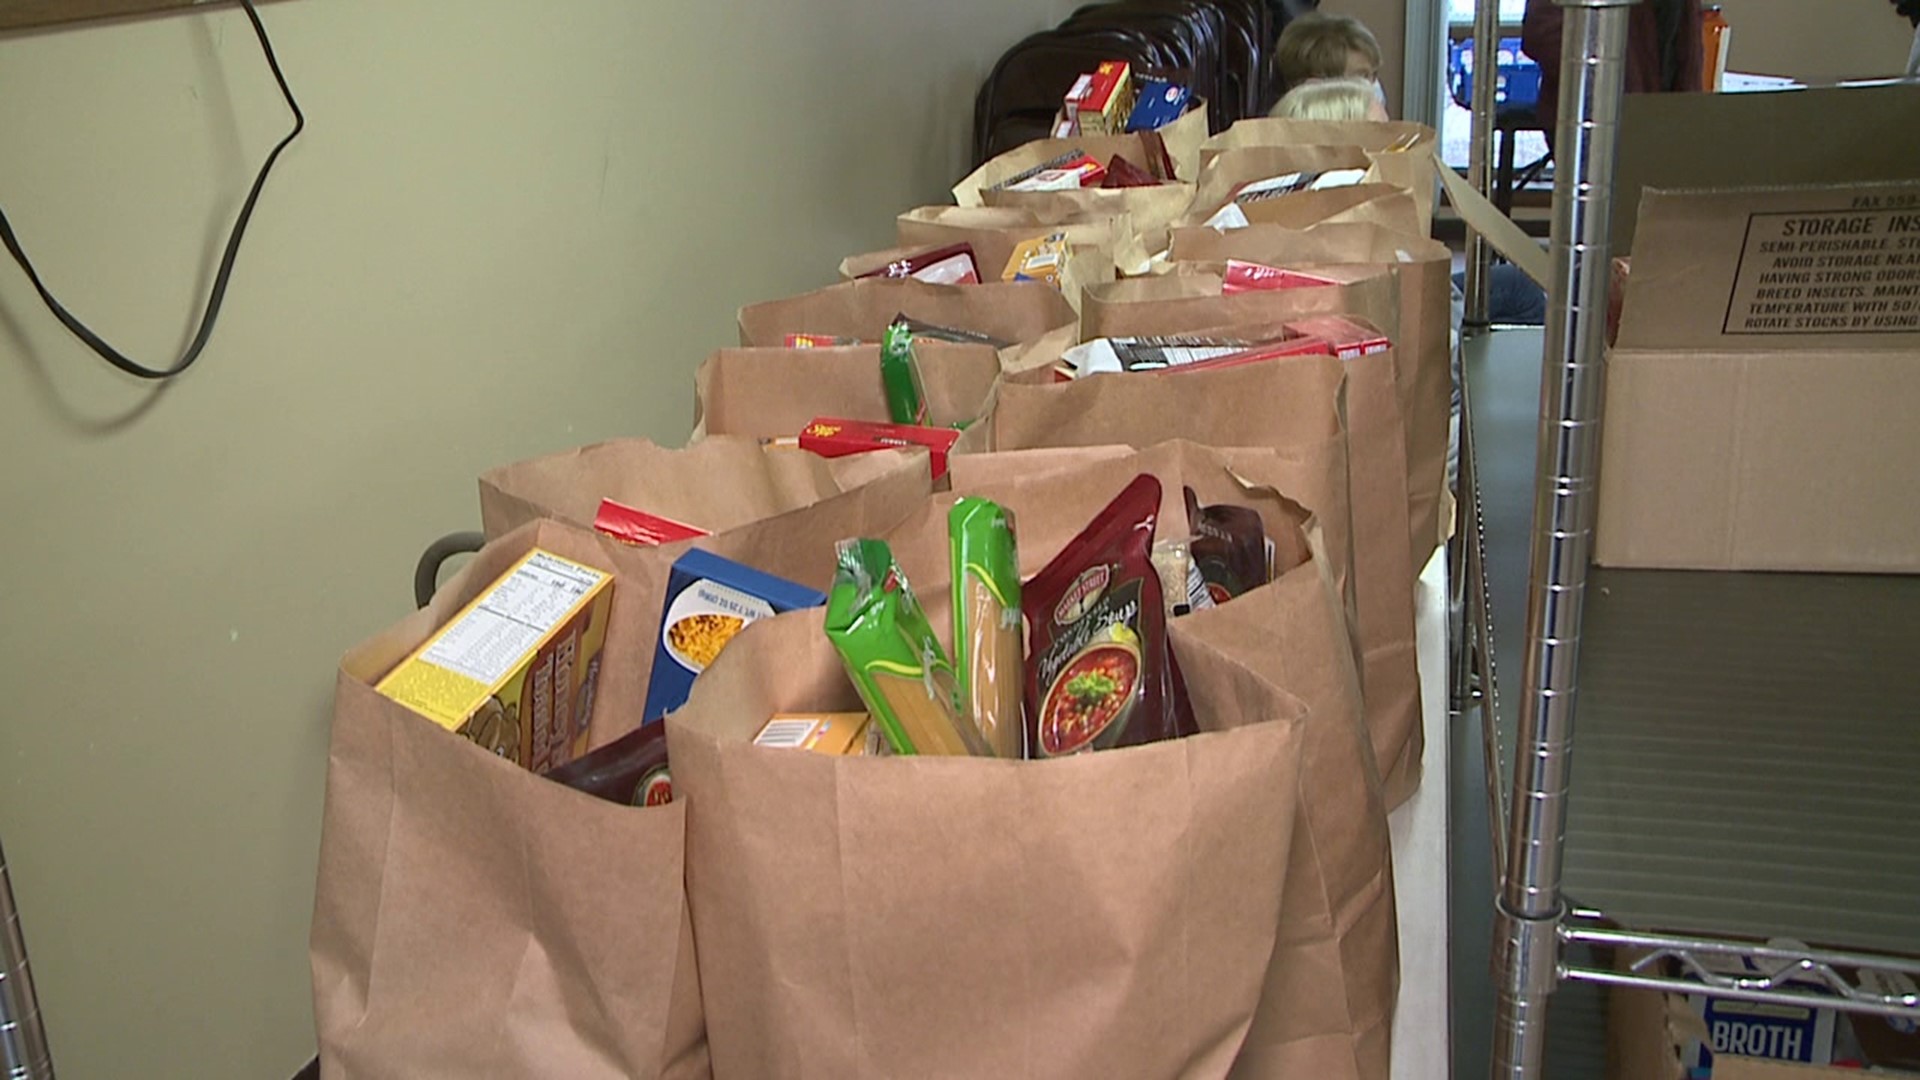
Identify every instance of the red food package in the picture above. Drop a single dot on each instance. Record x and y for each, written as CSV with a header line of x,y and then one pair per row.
x,y
631,770
1244,276
624,523
816,341
1305,345
1349,336
1122,173
831,437
952,265
1069,174
1100,673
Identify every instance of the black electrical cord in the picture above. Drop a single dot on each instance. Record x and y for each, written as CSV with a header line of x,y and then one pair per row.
x,y
219,290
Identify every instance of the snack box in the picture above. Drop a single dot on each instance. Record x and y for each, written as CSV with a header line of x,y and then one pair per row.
x,y
1157,103
830,437
1305,345
951,265
631,770
709,600
816,341
1039,259
1244,276
1077,171
1100,101
848,734
637,527
515,670
1349,337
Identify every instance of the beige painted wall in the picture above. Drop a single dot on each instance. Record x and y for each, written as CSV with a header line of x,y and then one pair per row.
x,y
511,227
1825,39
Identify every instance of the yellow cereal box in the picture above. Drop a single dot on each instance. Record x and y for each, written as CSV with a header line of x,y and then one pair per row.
x,y
515,670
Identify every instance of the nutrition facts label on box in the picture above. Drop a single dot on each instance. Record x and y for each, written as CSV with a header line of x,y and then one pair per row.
x,y
512,618
1826,272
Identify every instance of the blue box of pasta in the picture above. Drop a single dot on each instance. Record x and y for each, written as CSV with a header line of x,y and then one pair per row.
x,y
710,599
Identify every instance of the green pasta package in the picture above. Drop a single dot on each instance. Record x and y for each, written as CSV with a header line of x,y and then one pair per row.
x,y
893,656
900,374
987,638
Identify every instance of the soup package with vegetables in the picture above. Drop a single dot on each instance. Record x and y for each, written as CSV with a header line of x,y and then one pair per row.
x,y
1100,673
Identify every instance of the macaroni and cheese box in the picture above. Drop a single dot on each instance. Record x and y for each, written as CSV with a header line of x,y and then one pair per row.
x,y
515,670
709,600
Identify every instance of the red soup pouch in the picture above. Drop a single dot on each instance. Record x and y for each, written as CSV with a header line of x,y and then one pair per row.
x,y
1100,673
1229,548
1122,173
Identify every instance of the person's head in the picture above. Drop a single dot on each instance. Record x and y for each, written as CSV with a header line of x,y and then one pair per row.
x,y
1322,46
1332,99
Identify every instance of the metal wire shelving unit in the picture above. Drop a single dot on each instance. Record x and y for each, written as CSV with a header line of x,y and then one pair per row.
x,y
1537,927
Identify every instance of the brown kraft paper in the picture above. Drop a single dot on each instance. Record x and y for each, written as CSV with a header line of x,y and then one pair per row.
x,y
1277,403
715,484
1011,311
1331,985
473,919
1424,372
773,393
1109,914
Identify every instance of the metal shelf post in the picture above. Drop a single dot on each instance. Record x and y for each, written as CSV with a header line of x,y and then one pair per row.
x,y
1530,907
23,1040
1486,71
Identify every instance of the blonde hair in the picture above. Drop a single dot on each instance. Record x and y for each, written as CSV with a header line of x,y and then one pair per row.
x,y
1328,99
1318,45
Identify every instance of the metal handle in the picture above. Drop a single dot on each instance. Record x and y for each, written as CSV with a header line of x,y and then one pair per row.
x,y
1530,906
23,1039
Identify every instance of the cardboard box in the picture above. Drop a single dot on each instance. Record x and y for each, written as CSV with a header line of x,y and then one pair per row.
x,y
1760,401
515,670
709,600
1100,101
1658,1036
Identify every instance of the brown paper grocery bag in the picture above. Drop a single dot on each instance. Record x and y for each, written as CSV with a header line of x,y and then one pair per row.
x,y
716,484
902,917
773,393
1280,403
796,544
473,919
1227,170
1010,311
1422,347
994,233
1331,985
1181,140
1152,210
1327,1010
1368,204
1403,152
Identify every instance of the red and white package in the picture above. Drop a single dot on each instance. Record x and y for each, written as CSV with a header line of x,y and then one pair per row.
x,y
1080,171
1305,345
637,527
831,437
1244,276
952,265
1348,336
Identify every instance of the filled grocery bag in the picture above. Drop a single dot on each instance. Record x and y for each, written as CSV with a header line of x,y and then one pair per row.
x,y
1402,153
1086,162
773,393
1422,347
998,313
906,917
473,918
998,237
1286,402
1241,184
637,490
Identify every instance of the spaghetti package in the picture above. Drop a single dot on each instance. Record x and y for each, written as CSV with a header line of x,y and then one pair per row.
x,y
986,622
1099,672
906,398
892,655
